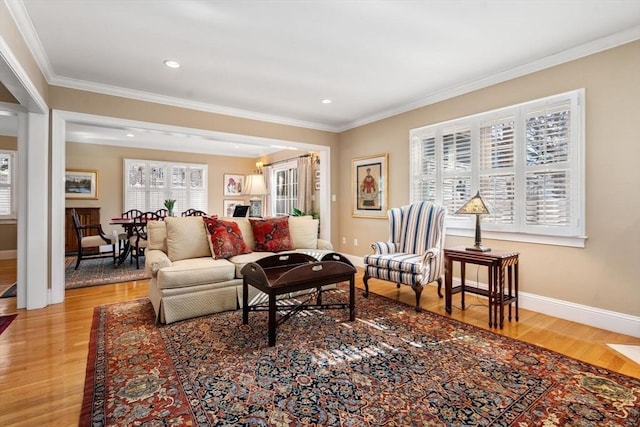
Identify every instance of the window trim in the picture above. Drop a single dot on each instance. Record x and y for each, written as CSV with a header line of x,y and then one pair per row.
x,y
13,216
464,226
284,165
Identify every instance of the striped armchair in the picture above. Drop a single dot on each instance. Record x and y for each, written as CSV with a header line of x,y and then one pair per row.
x,y
413,254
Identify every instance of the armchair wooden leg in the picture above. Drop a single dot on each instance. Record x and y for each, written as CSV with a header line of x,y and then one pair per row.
x,y
440,287
418,290
398,285
365,279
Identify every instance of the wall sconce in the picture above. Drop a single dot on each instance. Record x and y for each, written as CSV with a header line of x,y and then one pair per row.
x,y
259,166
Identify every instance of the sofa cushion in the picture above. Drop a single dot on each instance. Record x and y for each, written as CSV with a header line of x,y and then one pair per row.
x,y
224,238
157,235
304,232
271,234
186,238
195,271
245,229
241,260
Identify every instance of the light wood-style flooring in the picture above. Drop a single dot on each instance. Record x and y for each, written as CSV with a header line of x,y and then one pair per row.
x,y
43,353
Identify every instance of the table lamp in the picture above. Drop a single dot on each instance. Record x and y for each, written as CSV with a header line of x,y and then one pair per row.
x,y
255,186
476,206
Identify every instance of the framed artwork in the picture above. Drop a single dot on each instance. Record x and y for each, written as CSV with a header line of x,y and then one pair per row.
x,y
228,206
369,181
233,184
81,184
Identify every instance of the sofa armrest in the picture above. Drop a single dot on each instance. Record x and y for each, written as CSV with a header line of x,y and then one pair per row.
x,y
155,259
324,244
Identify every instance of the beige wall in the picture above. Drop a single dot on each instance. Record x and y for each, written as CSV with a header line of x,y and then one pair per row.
x,y
8,232
105,105
108,161
605,273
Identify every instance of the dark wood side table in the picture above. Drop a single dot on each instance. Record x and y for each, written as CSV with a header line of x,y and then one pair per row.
x,y
497,262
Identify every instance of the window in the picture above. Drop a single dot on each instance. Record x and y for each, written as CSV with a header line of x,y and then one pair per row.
x,y
284,187
149,183
526,160
7,185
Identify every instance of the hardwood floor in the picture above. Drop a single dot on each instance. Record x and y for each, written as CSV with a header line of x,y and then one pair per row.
x,y
43,353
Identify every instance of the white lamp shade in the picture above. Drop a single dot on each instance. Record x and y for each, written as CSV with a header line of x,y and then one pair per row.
x,y
255,186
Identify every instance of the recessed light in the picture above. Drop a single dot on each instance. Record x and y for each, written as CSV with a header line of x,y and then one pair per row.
x,y
171,63
326,101
130,135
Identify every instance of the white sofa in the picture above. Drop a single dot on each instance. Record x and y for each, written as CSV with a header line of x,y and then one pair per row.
x,y
187,281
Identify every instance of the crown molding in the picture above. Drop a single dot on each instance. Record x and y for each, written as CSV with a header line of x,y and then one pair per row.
x,y
19,13
183,103
618,39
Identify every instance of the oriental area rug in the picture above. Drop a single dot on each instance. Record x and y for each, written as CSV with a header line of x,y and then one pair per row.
x,y
6,320
391,366
99,271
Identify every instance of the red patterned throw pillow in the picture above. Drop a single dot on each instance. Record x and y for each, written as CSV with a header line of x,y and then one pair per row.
x,y
225,238
271,234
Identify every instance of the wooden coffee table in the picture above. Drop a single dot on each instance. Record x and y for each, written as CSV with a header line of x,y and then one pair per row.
x,y
282,274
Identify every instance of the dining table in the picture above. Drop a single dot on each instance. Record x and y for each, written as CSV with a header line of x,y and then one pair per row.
x,y
128,224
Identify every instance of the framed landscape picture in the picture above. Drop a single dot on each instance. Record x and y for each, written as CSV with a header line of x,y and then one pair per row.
x,y
233,184
369,180
81,184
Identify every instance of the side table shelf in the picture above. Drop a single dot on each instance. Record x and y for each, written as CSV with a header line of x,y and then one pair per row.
x,y
498,263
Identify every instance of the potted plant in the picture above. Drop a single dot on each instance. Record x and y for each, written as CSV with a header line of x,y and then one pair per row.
x,y
168,203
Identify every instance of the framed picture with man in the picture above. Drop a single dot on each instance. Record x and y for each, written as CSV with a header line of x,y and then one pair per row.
x,y
369,180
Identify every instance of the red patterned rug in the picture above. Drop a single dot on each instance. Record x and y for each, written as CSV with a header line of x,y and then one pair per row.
x,y
391,366
5,321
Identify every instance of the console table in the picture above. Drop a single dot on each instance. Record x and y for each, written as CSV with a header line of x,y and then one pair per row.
x,y
496,262
282,274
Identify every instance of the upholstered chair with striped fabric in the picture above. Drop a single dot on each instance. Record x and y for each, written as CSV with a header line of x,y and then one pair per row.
x,y
413,254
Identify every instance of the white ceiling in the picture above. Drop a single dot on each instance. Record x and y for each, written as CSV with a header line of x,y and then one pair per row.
x,y
276,60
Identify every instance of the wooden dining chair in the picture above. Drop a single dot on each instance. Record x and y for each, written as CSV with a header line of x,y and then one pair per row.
x,y
193,212
91,236
138,240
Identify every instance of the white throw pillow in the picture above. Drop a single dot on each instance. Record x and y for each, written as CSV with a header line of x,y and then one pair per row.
x,y
186,238
157,233
304,232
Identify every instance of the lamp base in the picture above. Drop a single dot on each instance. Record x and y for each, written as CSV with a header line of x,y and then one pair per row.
x,y
479,248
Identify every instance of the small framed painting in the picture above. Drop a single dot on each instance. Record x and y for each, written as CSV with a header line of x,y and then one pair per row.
x,y
228,206
369,180
81,184
233,184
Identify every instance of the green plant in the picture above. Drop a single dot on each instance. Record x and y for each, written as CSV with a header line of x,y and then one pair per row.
x,y
168,203
298,212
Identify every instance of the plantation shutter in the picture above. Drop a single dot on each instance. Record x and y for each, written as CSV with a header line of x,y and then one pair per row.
x,y
547,171
423,167
456,167
150,183
7,185
497,169
197,189
526,161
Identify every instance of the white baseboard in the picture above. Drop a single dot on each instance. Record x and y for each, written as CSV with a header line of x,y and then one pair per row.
x,y
599,318
9,254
